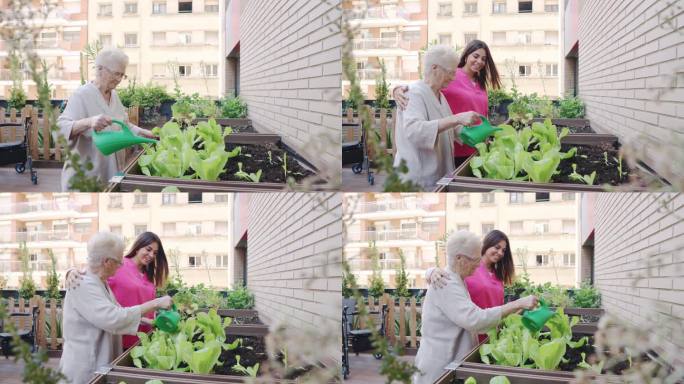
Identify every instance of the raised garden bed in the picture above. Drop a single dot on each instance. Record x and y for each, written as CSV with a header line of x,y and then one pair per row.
x,y
576,126
591,145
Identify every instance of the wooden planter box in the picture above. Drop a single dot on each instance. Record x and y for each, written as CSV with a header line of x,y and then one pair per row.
x,y
133,178
462,179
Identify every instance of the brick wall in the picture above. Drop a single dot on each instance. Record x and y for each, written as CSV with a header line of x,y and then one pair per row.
x,y
294,259
290,73
629,58
639,265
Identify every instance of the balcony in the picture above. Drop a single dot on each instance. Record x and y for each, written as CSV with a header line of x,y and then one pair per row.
x,y
394,205
41,206
14,266
392,235
384,15
388,264
12,239
374,73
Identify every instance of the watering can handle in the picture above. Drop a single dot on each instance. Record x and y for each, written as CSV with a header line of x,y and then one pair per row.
x,y
123,126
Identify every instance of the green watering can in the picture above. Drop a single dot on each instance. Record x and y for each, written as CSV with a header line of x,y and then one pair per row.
x,y
535,320
167,320
479,133
109,142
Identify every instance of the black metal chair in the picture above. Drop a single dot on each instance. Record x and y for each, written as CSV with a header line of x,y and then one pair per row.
x,y
358,339
27,334
17,152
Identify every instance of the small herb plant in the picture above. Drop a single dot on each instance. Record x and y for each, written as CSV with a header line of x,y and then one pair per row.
x,y
254,177
587,179
571,108
233,108
240,298
247,371
587,297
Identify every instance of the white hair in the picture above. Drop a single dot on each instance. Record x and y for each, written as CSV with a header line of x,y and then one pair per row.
x,y
112,58
441,55
462,243
103,246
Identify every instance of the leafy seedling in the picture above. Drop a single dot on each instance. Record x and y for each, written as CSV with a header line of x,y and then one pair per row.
x,y
249,371
254,177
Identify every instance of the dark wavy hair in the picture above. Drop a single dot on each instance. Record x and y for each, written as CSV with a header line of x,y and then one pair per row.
x,y
158,271
490,76
504,268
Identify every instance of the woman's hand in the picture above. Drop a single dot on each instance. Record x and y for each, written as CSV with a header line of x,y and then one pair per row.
x,y
467,118
146,133
527,302
147,321
73,278
400,97
438,278
163,302
100,122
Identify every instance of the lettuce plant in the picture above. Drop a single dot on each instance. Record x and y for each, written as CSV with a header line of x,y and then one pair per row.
x,y
254,177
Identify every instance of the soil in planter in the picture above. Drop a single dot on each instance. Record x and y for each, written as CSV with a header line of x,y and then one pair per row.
x,y
585,129
255,157
245,320
591,158
245,128
252,351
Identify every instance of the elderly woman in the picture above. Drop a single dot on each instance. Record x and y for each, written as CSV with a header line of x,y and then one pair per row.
x,y
426,129
93,320
451,320
92,107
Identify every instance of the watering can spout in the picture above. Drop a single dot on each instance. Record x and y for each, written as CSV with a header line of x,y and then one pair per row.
x,y
534,320
479,133
109,142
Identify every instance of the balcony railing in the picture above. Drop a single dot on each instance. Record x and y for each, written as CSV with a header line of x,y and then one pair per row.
x,y
37,236
42,206
8,266
381,43
387,264
393,234
393,205
381,12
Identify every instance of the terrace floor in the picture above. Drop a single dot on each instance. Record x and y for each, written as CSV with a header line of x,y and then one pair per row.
x,y
365,369
48,180
10,372
359,183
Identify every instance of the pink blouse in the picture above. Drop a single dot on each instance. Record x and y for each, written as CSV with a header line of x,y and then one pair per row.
x,y
131,287
463,96
486,291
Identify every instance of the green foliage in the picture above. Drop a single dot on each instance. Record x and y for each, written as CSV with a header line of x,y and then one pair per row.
x,y
355,98
401,278
233,108
27,287
17,98
3,282
496,96
247,371
587,297
571,108
144,96
382,88
52,279
528,154
376,286
253,177
348,281
586,179
191,299
80,181
240,298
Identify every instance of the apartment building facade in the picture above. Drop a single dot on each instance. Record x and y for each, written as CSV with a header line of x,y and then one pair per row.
x,y
523,37
165,40
62,35
392,31
60,222
392,222
195,230
541,227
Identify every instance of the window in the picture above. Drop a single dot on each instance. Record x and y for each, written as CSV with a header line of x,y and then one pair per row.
x,y
139,229
140,199
194,261
515,198
499,38
498,7
516,227
185,7
210,70
462,200
222,261
524,70
568,196
551,6
168,198
488,198
131,40
469,8
82,227
158,8
541,227
104,9
542,260
194,228
159,70
463,227
130,8
221,227
551,37
114,201
542,197
185,38
444,9
106,40
430,225
221,198
211,6
552,70
468,37
194,197
115,229
184,70
524,7
211,37
525,37
569,259
71,36
60,227
169,229
411,36
159,38
487,227
445,38
569,226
